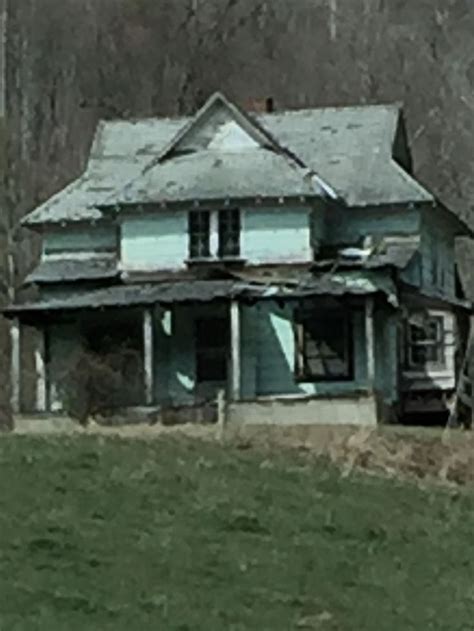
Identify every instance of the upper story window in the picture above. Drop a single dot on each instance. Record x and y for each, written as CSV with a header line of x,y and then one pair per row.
x,y
324,346
425,344
229,233
199,234
214,234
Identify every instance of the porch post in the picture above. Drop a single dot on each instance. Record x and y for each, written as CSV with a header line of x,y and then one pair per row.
x,y
148,355
235,349
40,370
369,339
15,374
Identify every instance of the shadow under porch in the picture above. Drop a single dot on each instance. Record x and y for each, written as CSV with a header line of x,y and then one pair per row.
x,y
182,355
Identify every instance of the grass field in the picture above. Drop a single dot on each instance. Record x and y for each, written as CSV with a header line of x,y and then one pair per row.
x,y
174,534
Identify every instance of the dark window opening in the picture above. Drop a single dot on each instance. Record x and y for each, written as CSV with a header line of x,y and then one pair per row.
x,y
199,234
212,342
229,233
324,347
425,345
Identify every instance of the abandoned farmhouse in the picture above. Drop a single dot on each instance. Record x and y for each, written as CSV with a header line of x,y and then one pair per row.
x,y
287,259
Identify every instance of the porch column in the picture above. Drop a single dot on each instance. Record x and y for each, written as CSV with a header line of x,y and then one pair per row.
x,y
40,370
15,374
235,349
369,340
148,355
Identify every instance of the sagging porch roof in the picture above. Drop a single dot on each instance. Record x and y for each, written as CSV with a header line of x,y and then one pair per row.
x,y
168,293
70,270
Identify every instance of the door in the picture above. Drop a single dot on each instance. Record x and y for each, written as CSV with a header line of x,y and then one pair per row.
x,y
211,344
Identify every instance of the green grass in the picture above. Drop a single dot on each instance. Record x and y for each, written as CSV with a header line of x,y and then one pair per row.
x,y
178,535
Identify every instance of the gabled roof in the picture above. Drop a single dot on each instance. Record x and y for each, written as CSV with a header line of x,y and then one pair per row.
x,y
221,153
349,148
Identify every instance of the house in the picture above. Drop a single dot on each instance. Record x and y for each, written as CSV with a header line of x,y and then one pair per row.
x,y
289,259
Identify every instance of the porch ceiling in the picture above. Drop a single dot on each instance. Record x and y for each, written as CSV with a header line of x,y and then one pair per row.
x,y
350,283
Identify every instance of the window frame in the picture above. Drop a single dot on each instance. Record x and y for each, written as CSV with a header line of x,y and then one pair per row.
x,y
230,218
439,343
302,371
213,234
203,252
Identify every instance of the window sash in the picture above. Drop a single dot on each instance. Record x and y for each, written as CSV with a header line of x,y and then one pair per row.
x,y
229,233
335,364
199,234
432,346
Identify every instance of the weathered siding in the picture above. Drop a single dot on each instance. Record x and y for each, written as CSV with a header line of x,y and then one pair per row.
x,y
438,253
272,343
175,370
64,345
318,226
162,353
386,355
155,242
276,235
182,366
80,239
350,225
443,377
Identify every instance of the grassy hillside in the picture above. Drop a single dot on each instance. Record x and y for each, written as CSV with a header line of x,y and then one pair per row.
x,y
105,533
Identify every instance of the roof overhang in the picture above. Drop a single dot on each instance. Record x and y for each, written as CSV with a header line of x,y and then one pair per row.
x,y
169,293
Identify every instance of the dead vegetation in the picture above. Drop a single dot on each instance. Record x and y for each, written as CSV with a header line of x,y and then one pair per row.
x,y
421,454
429,455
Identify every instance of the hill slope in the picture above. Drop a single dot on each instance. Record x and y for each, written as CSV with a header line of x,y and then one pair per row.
x,y
102,533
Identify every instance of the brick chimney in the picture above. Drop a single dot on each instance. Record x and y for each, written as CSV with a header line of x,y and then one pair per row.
x,y
261,106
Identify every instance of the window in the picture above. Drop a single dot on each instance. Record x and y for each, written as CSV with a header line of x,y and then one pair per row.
x,y
212,336
229,233
426,343
199,234
324,347
214,234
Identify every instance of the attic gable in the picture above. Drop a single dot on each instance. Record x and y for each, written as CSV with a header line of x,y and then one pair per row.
x,y
219,125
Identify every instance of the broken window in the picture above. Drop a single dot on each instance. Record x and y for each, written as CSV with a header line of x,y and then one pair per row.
x,y
199,234
425,345
212,342
324,346
229,233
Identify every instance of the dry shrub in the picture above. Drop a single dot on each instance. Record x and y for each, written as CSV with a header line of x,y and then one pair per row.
x,y
95,385
422,454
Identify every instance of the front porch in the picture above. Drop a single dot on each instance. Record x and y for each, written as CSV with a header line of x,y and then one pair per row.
x,y
317,359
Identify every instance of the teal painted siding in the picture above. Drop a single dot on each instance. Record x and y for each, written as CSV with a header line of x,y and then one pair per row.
x,y
438,253
182,364
347,226
276,235
413,272
271,345
162,353
80,239
155,242
386,354
175,359
318,226
64,346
